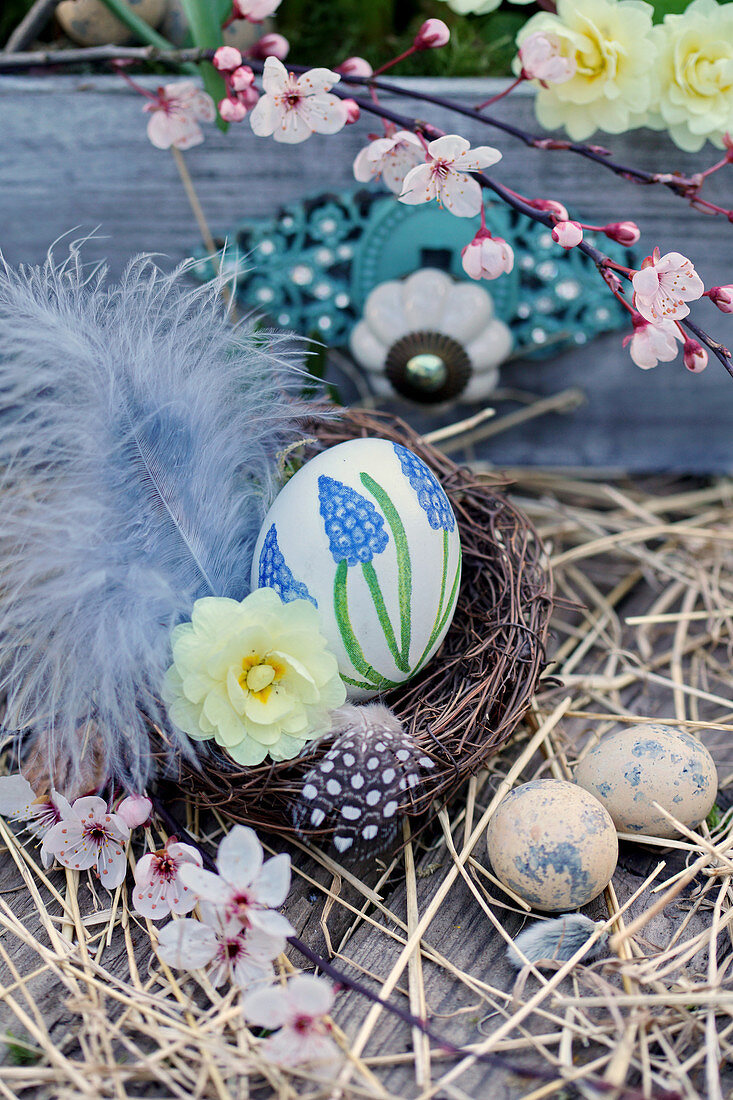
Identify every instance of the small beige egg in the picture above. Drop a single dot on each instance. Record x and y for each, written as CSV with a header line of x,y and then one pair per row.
x,y
631,770
553,844
91,23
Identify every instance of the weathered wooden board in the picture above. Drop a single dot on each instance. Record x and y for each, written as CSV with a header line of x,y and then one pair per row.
x,y
75,154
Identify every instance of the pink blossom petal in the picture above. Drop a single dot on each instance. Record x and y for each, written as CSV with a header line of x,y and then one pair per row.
x,y
205,884
310,995
268,1008
418,185
264,117
483,156
239,859
67,842
149,900
646,282
461,195
317,80
325,114
16,797
275,924
111,865
448,147
273,881
274,76
187,944
293,1048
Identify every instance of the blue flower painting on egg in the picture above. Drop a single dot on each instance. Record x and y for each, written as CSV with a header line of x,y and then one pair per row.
x,y
430,493
366,533
354,527
274,572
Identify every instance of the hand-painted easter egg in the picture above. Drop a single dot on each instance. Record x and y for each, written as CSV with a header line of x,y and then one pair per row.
x,y
631,770
91,23
553,844
366,532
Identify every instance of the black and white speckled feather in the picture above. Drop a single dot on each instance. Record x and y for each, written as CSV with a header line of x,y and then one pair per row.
x,y
557,940
363,783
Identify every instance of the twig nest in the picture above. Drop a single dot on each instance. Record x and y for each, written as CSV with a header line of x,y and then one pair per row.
x,y
630,771
91,23
553,844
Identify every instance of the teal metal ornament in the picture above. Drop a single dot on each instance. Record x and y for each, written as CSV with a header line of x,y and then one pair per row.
x,y
311,268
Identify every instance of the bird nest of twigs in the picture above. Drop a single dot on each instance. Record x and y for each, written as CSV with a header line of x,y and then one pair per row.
x,y
469,699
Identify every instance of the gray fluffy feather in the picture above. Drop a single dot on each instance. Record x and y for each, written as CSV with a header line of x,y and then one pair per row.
x,y
557,939
139,433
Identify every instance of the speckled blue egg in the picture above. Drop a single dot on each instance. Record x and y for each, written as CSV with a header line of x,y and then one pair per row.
x,y
553,844
631,770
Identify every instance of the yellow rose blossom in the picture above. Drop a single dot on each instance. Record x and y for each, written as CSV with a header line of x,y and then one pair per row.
x,y
611,43
695,69
256,676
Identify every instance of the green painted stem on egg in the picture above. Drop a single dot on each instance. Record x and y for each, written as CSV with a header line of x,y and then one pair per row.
x,y
441,616
370,576
343,621
404,565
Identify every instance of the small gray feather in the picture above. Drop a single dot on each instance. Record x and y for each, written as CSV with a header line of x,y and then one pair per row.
x,y
555,940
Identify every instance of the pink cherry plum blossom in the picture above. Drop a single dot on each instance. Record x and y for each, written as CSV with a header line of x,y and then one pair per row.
x,y
159,889
18,802
270,45
444,177
722,297
567,234
653,343
553,207
665,285
355,66
299,1010
134,810
232,110
175,113
391,158
89,835
353,111
695,356
433,34
246,889
293,107
226,950
226,59
626,233
487,257
541,58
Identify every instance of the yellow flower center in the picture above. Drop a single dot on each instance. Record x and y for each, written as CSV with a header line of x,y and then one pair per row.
x,y
258,675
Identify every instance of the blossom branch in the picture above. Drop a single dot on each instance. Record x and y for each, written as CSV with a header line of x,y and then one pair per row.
x,y
686,187
602,261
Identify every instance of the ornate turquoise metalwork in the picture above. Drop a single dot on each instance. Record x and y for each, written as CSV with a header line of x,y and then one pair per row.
x,y
311,268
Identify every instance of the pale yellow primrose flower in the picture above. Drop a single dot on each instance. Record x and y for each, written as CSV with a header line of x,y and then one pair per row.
x,y
611,43
256,676
695,70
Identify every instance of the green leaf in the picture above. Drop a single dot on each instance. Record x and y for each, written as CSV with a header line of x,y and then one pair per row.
x,y
20,1052
370,576
203,19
